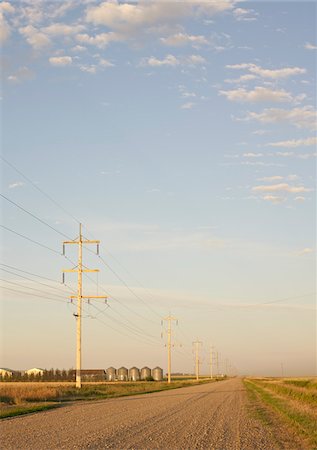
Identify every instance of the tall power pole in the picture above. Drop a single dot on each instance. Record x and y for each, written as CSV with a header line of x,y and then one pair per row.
x,y
79,269
197,345
217,363
211,361
169,345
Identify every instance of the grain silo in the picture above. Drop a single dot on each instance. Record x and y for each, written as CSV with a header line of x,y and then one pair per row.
x,y
145,373
111,374
123,374
134,374
157,374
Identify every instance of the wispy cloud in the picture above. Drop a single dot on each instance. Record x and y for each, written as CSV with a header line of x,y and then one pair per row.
x,y
309,46
281,187
246,15
181,39
304,117
258,94
60,61
293,143
284,72
15,185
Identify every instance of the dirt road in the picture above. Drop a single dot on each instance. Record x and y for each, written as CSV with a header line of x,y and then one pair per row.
x,y
210,416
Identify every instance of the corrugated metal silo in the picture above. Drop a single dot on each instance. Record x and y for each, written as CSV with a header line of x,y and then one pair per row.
x,y
157,374
145,373
111,374
134,374
123,374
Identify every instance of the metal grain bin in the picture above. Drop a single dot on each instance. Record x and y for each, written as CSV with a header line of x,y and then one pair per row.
x,y
134,374
157,374
123,374
145,373
111,374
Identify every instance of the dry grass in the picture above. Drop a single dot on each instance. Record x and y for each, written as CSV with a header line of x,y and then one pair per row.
x,y
295,401
20,393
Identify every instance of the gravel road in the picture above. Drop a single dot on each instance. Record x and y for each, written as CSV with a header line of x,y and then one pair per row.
x,y
209,416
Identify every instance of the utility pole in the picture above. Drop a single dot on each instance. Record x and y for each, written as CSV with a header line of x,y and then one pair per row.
x,y
169,345
210,361
217,363
282,369
197,345
79,269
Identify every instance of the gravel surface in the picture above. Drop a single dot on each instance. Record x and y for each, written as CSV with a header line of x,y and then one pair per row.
x,y
210,416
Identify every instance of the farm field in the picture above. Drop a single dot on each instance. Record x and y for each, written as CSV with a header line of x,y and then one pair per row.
x,y
26,397
292,401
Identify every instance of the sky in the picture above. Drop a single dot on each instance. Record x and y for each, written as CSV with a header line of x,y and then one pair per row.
x,y
182,136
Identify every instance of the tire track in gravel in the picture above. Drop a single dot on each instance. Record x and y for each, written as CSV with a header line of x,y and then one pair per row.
x,y
209,416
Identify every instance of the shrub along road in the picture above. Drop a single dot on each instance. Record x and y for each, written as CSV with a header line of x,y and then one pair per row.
x,y
209,416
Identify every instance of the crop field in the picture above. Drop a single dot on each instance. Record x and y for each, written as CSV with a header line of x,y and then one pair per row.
x,y
25,397
292,400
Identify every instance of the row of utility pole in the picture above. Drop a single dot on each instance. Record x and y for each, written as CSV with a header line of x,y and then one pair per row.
x,y
80,269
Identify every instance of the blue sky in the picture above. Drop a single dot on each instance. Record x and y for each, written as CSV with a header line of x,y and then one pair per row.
x,y
182,135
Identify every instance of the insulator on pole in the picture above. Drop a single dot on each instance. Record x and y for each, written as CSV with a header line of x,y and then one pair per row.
x,y
98,249
63,278
63,249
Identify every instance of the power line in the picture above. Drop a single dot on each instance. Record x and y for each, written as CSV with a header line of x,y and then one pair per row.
x,y
34,216
33,289
39,189
29,239
33,281
32,295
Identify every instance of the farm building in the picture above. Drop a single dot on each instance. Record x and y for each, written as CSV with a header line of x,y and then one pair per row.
x,y
35,371
91,374
6,372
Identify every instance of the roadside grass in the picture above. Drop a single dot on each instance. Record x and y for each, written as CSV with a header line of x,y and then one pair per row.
x,y
23,398
301,422
11,411
302,395
310,383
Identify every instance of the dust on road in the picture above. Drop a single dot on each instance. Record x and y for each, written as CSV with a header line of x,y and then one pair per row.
x,y
210,416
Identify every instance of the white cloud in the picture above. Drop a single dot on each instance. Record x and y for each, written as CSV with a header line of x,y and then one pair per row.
x,y
275,199
252,155
281,187
169,60
180,39
61,61
188,105
78,49
272,178
129,17
16,185
34,37
105,63
299,198
242,79
21,74
309,46
173,61
247,15
5,29
88,68
61,29
285,72
304,117
99,40
7,7
258,94
294,143
305,251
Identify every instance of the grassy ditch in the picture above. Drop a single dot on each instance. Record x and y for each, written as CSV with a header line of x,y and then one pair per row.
x,y
22,398
283,403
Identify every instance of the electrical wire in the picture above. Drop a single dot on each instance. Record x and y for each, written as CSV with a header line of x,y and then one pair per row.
x,y
39,189
29,239
34,216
